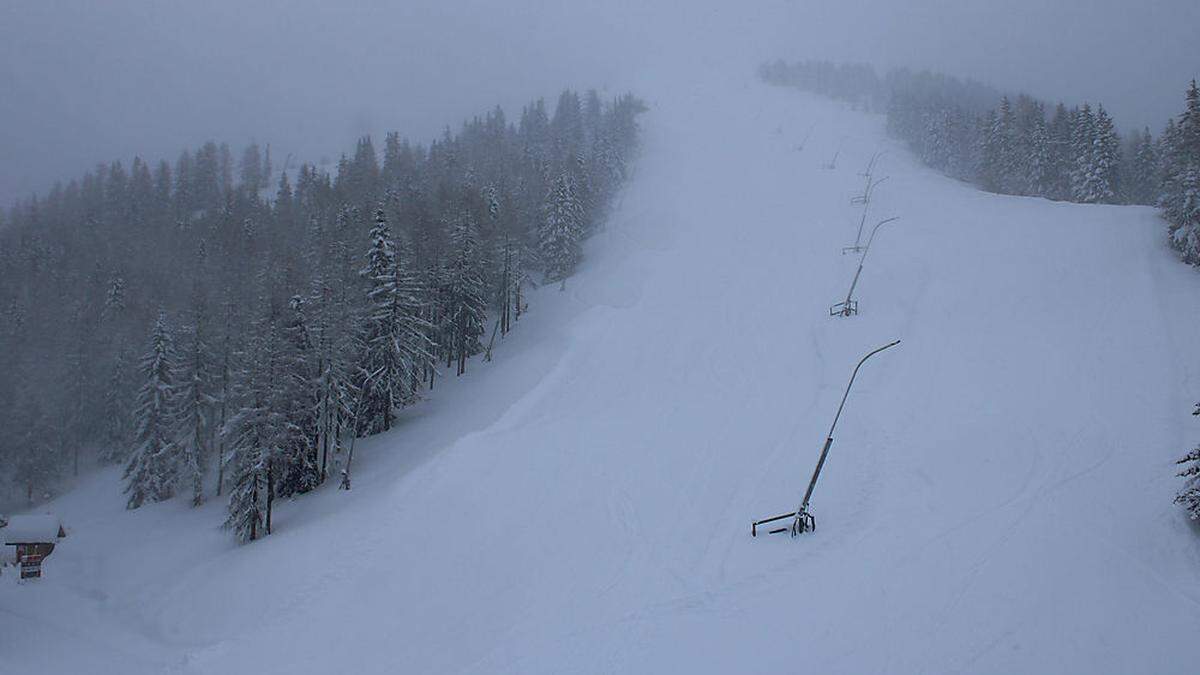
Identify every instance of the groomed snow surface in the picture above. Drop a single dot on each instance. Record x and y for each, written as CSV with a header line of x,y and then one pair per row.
x,y
997,499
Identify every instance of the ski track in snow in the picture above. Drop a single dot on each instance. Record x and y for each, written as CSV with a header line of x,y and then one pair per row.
x,y
997,498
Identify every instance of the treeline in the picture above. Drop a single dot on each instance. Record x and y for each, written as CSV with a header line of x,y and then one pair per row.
x,y
220,337
1009,145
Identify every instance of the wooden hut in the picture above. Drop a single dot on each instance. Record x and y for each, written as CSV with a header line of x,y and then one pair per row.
x,y
33,537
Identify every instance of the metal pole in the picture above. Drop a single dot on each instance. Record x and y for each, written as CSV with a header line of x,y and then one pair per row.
x,y
863,221
873,231
862,259
850,293
871,164
803,520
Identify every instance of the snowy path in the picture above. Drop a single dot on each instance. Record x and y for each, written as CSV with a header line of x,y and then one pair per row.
x,y
998,497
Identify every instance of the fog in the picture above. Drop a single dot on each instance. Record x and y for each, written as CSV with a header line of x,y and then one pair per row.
x,y
82,82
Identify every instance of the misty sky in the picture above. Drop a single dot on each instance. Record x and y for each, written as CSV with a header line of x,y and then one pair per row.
x,y
82,82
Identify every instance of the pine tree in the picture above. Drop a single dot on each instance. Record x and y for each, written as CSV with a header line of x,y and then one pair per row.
x,y
35,460
1181,179
939,137
1106,159
1061,133
333,349
296,395
1189,496
253,431
253,178
378,402
249,459
195,403
114,300
561,230
223,395
1140,177
395,335
466,302
152,469
1039,161
1005,140
115,434
1083,143
992,153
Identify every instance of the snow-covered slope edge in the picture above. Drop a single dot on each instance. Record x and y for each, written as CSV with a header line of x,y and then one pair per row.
x,y
998,498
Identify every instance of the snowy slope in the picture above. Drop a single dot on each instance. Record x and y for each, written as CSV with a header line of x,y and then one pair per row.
x,y
998,498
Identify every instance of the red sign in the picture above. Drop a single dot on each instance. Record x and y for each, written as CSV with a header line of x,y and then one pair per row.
x,y
31,566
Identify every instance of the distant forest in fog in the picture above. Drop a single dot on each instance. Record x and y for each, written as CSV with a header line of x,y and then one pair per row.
x,y
1013,146
222,327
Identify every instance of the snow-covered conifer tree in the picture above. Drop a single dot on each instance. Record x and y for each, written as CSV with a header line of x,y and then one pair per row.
x,y
195,401
1039,160
1106,159
1083,142
152,469
561,233
395,336
295,395
115,434
466,301
1189,495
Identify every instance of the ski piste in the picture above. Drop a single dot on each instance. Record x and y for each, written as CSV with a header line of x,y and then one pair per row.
x,y
578,504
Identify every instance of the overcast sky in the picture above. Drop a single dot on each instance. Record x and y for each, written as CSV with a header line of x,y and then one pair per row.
x,y
84,81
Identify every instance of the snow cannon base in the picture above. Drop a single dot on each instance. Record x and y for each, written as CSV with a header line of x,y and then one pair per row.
x,y
805,523
848,308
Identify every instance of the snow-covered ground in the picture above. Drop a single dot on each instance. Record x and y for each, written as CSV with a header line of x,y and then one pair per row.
x,y
997,500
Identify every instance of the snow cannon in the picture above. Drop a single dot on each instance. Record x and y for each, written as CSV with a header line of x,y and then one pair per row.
x,y
849,306
802,520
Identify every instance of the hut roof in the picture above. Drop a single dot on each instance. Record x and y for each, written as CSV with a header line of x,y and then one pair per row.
x,y
33,529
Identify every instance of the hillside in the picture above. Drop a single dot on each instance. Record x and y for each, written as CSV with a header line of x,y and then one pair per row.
x,y
997,499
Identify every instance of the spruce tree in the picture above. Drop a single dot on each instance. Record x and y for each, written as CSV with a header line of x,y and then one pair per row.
x,y
1083,143
1189,495
1106,159
249,457
561,233
152,469
296,395
1039,161
115,434
1182,184
395,335
1061,133
195,401
465,293
1140,170
254,430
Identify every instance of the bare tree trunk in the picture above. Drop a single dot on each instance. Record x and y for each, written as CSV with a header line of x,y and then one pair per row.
x,y
326,419
224,408
270,492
